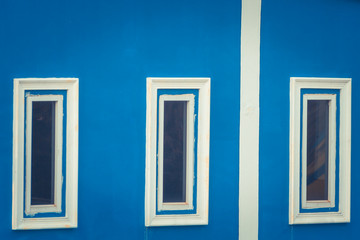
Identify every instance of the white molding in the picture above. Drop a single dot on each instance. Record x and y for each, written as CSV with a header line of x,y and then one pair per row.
x,y
249,120
202,194
71,85
330,202
343,215
56,207
188,204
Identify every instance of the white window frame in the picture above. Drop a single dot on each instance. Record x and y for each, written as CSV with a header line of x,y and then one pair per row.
x,y
343,214
331,155
188,204
19,222
202,154
56,207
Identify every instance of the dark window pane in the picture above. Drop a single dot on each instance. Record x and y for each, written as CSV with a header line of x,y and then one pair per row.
x,y
317,149
174,179
43,153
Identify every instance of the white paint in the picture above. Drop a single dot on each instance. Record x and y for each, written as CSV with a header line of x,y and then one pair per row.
x,y
202,194
71,85
330,202
343,215
56,207
249,120
188,204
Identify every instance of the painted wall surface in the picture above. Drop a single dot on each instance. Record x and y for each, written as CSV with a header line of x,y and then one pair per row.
x,y
112,46
303,39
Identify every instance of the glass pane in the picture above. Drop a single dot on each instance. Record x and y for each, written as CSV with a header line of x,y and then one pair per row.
x,y
174,182
317,149
43,153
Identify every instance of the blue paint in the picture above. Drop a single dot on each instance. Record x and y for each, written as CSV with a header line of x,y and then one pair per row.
x,y
302,39
195,92
337,93
112,46
63,187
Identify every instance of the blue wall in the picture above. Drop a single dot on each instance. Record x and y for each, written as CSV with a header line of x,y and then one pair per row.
x,y
112,46
302,39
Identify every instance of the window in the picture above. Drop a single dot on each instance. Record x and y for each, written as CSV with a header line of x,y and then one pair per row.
x,y
320,124
44,115
177,151
45,153
175,154
318,151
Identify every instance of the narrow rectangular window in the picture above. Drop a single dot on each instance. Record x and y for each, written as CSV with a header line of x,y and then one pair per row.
x,y
320,150
45,153
176,152
319,138
175,116
317,150
44,129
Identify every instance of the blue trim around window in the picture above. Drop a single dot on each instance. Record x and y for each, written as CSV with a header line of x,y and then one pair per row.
x,y
196,106
63,188
322,91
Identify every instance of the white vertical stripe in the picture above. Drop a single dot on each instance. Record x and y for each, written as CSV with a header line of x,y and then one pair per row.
x,y
249,120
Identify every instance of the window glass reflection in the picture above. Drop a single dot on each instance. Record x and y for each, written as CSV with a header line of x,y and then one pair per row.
x,y
317,149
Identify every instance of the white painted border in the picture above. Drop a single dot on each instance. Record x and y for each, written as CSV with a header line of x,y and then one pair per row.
x,y
188,204
72,87
249,120
56,207
331,155
201,216
343,215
